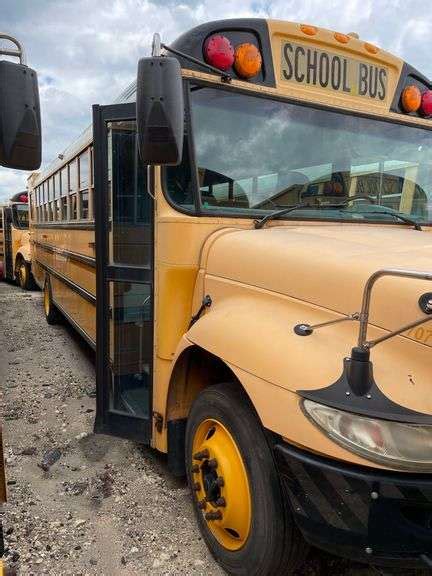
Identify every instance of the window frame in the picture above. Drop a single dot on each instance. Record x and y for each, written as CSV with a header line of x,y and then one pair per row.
x,y
81,190
200,210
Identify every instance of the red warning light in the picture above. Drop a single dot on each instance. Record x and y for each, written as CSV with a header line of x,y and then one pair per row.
x,y
219,52
426,103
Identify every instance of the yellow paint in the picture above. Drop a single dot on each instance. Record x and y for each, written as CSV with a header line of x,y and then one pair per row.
x,y
80,243
324,40
214,439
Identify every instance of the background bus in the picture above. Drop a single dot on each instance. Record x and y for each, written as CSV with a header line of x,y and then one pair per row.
x,y
15,241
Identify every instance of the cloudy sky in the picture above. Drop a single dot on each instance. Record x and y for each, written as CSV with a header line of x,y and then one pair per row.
x,y
86,51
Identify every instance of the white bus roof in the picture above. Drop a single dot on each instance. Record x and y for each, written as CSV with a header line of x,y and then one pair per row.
x,y
81,143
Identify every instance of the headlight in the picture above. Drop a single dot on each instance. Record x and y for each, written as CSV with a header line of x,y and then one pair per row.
x,y
393,444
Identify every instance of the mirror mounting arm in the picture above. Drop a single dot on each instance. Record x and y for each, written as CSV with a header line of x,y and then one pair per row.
x,y
224,76
18,53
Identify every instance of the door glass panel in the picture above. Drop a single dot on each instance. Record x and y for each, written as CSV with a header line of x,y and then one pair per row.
x,y
130,346
129,279
130,232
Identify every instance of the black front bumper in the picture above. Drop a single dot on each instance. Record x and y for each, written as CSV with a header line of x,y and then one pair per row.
x,y
372,516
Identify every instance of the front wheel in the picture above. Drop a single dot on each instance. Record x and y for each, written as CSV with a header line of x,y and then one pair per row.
x,y
237,493
24,275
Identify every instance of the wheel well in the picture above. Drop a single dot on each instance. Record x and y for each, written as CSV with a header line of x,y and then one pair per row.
x,y
195,370
18,259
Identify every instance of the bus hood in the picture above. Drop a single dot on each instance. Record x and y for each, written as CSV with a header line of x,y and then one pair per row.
x,y
327,265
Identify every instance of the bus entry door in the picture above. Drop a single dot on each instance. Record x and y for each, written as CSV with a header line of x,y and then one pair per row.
x,y
124,276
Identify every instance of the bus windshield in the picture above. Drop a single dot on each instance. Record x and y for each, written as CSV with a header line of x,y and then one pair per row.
x,y
255,155
20,215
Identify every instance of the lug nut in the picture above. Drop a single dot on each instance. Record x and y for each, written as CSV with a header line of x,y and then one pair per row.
x,y
214,515
202,504
201,455
220,481
195,469
196,486
221,502
212,463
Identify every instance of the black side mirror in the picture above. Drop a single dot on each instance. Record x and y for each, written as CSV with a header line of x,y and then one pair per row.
x,y
160,110
20,124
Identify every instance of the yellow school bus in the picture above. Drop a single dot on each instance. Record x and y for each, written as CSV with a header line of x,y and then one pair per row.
x,y
260,288
15,241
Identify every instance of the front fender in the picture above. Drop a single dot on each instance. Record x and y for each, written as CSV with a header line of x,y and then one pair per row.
x,y
25,253
252,330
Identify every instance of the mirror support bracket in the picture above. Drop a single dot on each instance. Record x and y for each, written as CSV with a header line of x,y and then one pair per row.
x,y
17,53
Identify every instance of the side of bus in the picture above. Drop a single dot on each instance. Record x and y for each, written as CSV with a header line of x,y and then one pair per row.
x,y
63,244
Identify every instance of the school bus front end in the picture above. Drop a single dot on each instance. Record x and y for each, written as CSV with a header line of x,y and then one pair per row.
x,y
263,289
299,219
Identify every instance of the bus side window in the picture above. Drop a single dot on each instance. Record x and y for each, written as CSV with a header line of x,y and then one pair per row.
x,y
83,194
73,188
73,206
64,189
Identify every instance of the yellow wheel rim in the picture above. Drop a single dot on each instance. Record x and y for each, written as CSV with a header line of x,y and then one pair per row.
x,y
46,300
221,484
23,274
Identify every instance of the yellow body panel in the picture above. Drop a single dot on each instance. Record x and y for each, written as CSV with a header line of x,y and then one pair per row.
x,y
281,32
67,253
21,244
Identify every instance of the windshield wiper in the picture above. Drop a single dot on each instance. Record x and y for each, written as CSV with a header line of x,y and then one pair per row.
x,y
401,217
339,206
260,223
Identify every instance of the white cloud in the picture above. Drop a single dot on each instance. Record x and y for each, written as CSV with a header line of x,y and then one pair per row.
x,y
86,51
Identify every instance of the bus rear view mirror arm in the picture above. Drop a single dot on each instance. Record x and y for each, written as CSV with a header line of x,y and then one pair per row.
x,y
425,303
358,378
20,124
160,110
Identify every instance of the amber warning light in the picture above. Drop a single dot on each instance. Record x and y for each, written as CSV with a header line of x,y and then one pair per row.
x,y
220,53
413,100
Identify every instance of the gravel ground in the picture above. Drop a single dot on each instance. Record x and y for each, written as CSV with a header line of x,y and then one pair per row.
x,y
107,506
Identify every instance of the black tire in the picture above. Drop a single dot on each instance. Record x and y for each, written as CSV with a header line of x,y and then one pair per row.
x,y
52,315
274,545
24,276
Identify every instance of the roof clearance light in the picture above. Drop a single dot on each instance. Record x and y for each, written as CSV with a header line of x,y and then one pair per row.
x,y
426,103
371,48
219,52
411,98
247,61
342,38
308,29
